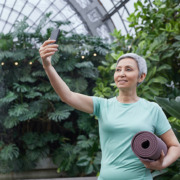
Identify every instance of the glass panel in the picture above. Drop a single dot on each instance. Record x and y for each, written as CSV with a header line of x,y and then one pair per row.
x,y
81,29
66,28
60,4
2,1
35,15
75,20
59,17
7,28
115,1
117,21
27,9
18,6
5,13
13,17
68,11
43,5
108,5
1,25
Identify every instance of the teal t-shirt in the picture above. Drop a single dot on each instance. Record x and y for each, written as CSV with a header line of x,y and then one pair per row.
x,y
118,123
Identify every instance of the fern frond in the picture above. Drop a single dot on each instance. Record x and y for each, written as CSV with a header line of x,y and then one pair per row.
x,y
101,51
43,87
78,85
5,54
39,74
59,115
29,115
84,122
51,96
27,78
55,58
31,140
38,153
66,65
10,122
89,73
69,49
9,152
32,95
86,64
18,109
20,88
19,55
38,106
11,96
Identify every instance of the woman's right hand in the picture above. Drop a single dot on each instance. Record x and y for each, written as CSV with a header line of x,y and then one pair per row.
x,y
46,51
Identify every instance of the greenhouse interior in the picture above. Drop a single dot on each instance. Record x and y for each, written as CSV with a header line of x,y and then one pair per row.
x,y
56,97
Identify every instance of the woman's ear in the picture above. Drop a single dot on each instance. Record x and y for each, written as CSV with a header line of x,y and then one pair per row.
x,y
141,78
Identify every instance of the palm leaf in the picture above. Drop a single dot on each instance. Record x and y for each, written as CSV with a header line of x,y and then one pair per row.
x,y
9,152
32,95
27,79
18,109
170,105
10,122
59,115
11,96
20,88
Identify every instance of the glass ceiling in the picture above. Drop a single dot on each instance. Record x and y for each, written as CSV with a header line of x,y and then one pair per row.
x,y
95,17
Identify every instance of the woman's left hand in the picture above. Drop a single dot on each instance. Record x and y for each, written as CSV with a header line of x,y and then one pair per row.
x,y
155,165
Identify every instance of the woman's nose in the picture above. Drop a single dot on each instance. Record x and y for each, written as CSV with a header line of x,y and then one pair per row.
x,y
122,73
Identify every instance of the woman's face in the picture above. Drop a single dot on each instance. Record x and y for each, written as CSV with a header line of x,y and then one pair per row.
x,y
126,75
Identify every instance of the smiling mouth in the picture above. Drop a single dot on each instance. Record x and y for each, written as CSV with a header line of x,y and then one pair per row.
x,y
122,81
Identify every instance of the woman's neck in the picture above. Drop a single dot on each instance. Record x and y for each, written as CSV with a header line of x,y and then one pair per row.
x,y
127,96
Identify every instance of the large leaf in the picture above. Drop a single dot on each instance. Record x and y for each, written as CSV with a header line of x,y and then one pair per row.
x,y
18,109
10,151
170,105
11,96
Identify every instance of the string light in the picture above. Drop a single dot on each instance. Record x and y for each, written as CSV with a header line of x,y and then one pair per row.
x,y
2,64
82,57
16,63
94,54
30,63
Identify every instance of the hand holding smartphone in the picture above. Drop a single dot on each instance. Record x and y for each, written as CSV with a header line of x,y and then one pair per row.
x,y
54,35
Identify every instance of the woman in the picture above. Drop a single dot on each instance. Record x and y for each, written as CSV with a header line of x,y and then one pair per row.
x,y
120,118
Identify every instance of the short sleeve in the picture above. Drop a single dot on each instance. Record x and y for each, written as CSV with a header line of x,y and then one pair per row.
x,y
96,105
162,124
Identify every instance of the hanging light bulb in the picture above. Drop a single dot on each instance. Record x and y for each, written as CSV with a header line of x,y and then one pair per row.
x,y
2,64
94,54
30,63
82,57
16,63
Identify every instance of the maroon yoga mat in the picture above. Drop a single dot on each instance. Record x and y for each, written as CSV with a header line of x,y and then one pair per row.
x,y
147,146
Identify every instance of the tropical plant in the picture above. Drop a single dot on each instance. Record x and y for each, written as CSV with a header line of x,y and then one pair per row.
x,y
34,122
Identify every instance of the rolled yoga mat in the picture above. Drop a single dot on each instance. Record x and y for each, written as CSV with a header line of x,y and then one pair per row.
x,y
147,146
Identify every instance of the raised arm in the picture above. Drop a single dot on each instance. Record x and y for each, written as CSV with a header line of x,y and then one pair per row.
x,y
78,101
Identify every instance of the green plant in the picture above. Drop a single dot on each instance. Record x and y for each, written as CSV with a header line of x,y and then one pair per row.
x,y
34,122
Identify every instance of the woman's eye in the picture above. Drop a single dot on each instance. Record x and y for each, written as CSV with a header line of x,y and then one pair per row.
x,y
128,69
118,70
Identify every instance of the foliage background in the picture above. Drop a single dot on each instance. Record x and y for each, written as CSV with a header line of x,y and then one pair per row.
x,y
34,123
39,125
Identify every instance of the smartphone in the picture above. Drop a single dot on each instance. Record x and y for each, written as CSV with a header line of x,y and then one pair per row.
x,y
55,35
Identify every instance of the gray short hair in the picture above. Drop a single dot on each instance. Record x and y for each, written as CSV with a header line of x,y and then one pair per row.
x,y
142,66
